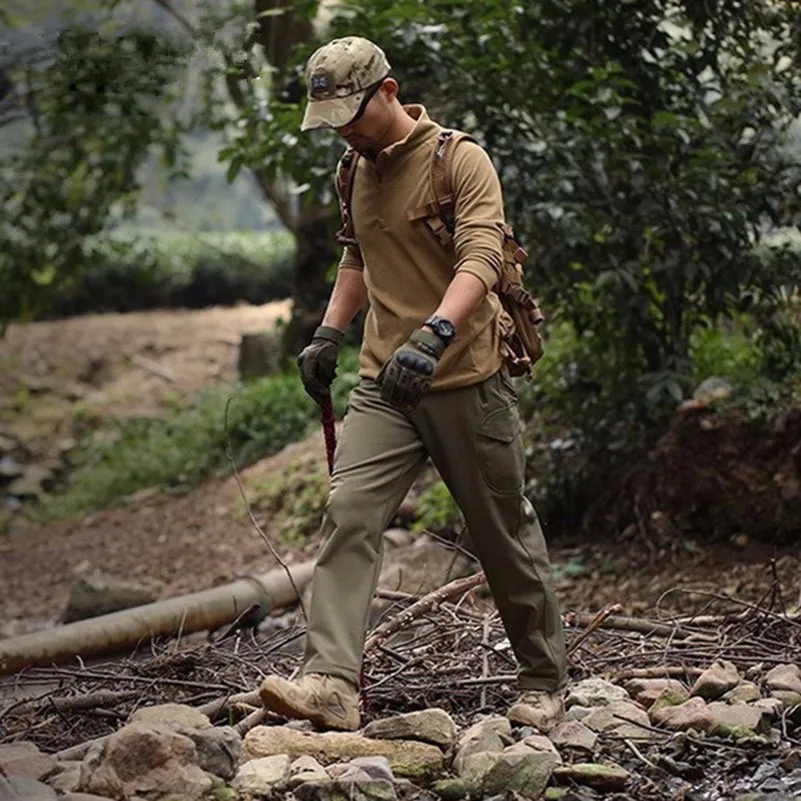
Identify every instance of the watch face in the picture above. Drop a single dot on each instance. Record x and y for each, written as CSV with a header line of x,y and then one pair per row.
x,y
443,328
446,328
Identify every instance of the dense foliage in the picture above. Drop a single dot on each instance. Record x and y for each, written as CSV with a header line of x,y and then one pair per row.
x,y
96,115
133,269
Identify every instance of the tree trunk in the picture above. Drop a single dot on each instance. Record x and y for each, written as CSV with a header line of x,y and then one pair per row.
x,y
316,252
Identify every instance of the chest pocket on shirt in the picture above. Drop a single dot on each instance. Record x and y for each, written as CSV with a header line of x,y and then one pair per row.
x,y
429,216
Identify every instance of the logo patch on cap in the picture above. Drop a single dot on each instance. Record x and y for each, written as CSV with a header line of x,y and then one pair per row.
x,y
320,84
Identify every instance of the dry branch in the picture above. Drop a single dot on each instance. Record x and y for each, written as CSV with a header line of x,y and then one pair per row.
x,y
419,608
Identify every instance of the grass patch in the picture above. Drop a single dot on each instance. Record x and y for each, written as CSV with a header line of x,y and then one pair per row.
x,y
177,452
294,499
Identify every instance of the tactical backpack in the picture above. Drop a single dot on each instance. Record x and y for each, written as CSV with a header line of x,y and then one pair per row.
x,y
521,315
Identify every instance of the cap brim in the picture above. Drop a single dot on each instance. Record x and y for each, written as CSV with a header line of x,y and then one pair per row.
x,y
333,113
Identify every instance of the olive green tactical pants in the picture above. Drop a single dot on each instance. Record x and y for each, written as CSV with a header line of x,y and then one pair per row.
x,y
474,438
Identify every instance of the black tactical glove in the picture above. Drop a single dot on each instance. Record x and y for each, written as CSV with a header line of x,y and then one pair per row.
x,y
408,373
318,362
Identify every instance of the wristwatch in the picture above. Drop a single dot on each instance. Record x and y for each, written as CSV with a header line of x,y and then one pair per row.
x,y
443,328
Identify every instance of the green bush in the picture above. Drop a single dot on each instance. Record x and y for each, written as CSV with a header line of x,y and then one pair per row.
x,y
438,510
123,457
129,271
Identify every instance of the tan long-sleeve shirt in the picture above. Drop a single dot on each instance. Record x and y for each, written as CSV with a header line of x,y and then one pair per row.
x,y
407,270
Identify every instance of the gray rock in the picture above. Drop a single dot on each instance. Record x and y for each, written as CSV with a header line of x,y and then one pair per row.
x,y
16,789
646,691
716,680
346,772
146,758
624,719
429,726
595,692
219,749
263,776
68,778
24,760
408,758
604,777
489,773
450,789
784,677
306,769
577,712
574,735
744,693
692,714
176,716
739,719
375,767
98,594
485,736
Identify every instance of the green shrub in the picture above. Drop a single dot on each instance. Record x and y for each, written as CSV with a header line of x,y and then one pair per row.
x,y
293,498
131,270
126,456
179,451
726,352
437,510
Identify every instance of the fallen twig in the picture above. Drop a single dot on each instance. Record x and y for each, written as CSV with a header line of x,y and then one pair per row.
x,y
419,608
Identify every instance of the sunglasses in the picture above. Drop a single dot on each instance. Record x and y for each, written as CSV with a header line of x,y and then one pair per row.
x,y
369,94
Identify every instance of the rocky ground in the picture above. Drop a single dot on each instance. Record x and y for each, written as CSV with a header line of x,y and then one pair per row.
x,y
654,725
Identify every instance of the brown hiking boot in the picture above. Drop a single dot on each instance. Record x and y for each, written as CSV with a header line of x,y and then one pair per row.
x,y
537,708
327,701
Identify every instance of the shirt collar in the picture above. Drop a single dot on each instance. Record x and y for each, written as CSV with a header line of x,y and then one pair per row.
x,y
424,128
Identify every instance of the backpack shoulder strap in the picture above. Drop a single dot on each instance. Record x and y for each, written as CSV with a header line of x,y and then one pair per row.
x,y
345,178
441,168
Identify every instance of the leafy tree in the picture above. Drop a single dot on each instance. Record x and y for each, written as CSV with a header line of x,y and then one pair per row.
x,y
640,146
95,115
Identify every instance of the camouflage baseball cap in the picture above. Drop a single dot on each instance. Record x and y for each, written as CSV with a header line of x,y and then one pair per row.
x,y
338,76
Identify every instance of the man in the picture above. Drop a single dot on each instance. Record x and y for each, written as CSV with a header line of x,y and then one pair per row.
x,y
432,384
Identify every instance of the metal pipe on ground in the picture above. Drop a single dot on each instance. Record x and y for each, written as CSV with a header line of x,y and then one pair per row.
x,y
247,600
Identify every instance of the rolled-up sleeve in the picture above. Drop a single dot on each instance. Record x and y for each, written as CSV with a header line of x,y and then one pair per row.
x,y
478,234
351,259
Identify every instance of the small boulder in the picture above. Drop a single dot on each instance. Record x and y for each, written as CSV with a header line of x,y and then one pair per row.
x,y
692,714
624,719
574,735
716,681
434,726
334,790
143,759
306,769
646,691
24,760
408,758
488,774
606,778
595,692
739,719
745,692
784,677
176,716
219,749
98,594
264,776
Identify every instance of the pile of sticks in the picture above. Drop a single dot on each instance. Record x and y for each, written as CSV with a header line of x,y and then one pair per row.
x,y
446,649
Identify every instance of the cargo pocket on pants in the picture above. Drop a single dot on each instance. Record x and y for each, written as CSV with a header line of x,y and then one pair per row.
x,y
501,453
